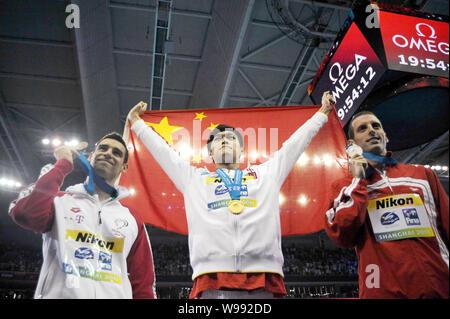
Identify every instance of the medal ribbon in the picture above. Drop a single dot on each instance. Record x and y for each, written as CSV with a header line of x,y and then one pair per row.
x,y
380,159
233,188
94,178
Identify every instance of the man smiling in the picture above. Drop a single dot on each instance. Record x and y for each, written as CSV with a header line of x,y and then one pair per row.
x,y
93,247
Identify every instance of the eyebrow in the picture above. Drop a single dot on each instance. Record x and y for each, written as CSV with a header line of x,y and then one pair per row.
x,y
361,126
118,150
113,148
364,125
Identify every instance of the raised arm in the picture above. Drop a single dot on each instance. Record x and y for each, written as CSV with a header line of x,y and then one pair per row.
x,y
178,170
286,157
34,209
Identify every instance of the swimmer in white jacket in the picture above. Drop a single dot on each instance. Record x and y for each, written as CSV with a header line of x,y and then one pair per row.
x,y
234,236
93,246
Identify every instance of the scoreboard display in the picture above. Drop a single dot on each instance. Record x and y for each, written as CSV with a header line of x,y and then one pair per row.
x,y
351,73
361,55
415,45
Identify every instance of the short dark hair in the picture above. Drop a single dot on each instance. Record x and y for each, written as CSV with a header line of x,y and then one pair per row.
x,y
223,128
118,137
350,131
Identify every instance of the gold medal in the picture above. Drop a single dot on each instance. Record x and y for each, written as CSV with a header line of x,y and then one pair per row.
x,y
235,206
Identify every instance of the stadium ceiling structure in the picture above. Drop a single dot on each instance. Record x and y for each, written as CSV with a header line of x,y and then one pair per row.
x,y
68,82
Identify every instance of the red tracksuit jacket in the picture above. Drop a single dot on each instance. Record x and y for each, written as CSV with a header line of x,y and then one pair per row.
x,y
407,268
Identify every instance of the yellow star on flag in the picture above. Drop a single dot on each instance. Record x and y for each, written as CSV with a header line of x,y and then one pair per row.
x,y
212,126
197,158
200,116
165,129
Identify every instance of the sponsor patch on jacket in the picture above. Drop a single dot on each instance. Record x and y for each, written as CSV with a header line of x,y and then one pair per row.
x,y
389,218
399,217
222,189
85,272
84,253
119,227
217,179
111,244
411,216
105,260
224,203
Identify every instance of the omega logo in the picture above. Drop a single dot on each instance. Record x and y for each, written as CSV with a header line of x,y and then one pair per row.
x,y
429,44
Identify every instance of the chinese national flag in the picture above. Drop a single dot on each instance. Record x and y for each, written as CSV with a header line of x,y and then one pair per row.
x,y
304,194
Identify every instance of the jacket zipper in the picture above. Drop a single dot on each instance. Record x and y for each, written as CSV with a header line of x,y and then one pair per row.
x,y
237,258
99,220
237,263
386,179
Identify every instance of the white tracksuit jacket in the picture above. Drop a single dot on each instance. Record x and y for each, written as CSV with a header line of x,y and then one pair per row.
x,y
91,249
220,241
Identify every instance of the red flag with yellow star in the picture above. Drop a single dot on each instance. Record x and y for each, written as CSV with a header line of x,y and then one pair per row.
x,y
304,194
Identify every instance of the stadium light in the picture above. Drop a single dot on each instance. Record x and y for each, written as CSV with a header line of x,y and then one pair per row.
x,y
9,183
73,143
56,142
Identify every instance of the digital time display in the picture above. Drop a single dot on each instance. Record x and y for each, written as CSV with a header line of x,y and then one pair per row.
x,y
351,73
414,44
406,42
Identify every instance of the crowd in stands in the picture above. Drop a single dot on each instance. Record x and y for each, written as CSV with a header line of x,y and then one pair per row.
x,y
300,261
179,292
322,291
293,292
16,293
319,262
172,259
14,257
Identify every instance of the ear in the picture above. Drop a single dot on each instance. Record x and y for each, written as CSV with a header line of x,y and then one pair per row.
x,y
91,154
351,141
124,167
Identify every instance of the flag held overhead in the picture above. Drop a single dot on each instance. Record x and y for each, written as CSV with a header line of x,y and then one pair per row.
x,y
264,129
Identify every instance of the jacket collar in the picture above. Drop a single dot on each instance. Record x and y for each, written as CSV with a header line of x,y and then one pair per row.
x,y
80,190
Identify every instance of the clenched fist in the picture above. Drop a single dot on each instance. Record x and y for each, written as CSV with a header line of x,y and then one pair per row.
x,y
327,101
69,152
135,114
